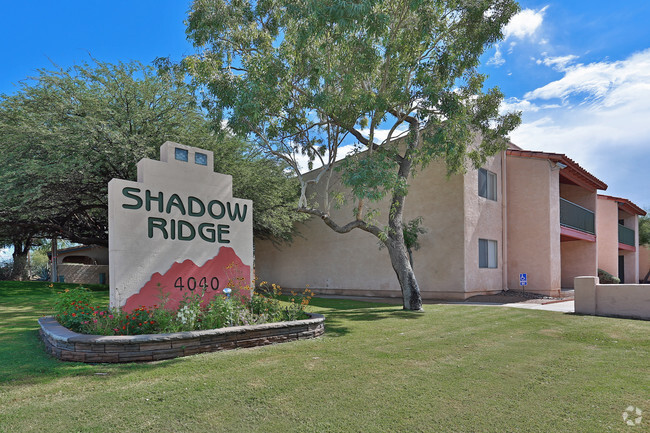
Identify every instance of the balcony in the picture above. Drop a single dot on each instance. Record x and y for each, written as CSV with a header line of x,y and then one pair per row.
x,y
577,218
625,236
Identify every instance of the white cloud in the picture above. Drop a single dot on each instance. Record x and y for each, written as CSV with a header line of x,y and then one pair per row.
x,y
558,63
303,160
525,24
348,149
382,134
601,121
515,104
599,80
497,59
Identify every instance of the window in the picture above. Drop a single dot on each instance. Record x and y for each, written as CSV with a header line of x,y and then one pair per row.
x,y
200,158
180,154
487,184
487,254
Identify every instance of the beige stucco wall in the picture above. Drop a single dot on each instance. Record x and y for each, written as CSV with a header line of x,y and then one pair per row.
x,y
644,261
353,264
483,220
579,196
607,235
533,224
624,300
607,217
579,258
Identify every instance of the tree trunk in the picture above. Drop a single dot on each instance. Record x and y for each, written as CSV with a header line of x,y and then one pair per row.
x,y
19,269
397,250
54,271
405,275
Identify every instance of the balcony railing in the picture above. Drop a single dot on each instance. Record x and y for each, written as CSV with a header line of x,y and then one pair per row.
x,y
576,217
625,235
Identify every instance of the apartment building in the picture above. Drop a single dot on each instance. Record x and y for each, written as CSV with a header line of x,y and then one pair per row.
x,y
618,237
522,212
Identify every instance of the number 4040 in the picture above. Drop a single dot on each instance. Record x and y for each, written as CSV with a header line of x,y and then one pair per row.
x,y
193,284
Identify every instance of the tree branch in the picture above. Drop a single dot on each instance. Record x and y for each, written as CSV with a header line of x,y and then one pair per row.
x,y
356,224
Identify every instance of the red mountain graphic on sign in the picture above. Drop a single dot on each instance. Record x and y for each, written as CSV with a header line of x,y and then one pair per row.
x,y
186,278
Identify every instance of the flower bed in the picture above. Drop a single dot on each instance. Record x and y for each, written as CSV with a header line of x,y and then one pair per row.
x,y
67,345
74,309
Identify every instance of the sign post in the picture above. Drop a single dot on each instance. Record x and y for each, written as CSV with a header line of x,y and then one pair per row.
x,y
523,281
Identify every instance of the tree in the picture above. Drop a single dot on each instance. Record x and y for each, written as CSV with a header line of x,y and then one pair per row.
x,y
644,229
66,133
21,242
396,78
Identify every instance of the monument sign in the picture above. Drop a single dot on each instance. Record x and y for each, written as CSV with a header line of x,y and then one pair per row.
x,y
177,231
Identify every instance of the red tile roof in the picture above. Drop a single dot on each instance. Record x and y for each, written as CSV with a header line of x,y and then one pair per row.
x,y
624,204
572,172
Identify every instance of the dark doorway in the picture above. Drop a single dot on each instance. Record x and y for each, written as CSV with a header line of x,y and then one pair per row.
x,y
621,269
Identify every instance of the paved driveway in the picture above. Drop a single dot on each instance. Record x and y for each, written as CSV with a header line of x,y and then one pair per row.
x,y
563,307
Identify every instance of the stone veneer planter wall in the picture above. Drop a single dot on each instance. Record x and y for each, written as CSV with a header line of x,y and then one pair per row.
x,y
67,345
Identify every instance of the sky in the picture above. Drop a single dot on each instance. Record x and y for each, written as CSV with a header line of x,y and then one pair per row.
x,y
579,71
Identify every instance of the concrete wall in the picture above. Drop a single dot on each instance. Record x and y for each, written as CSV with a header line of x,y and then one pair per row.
x,y
82,274
483,220
620,300
533,224
353,264
607,235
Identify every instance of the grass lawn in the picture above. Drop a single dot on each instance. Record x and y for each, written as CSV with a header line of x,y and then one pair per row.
x,y
454,368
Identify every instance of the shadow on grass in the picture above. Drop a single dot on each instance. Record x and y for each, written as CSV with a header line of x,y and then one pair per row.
x,y
23,359
12,289
339,311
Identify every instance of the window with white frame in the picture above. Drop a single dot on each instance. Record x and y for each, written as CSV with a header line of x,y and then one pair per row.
x,y
487,253
487,184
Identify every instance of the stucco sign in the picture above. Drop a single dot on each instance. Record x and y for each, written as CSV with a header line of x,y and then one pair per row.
x,y
177,231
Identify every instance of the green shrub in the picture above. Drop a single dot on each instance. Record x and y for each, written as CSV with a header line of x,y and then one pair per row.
x,y
606,278
74,310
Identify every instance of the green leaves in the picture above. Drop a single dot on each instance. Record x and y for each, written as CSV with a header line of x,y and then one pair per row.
x,y
68,132
303,76
644,230
369,177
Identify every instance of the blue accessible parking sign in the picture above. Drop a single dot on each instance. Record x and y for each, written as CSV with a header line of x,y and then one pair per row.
x,y
523,280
